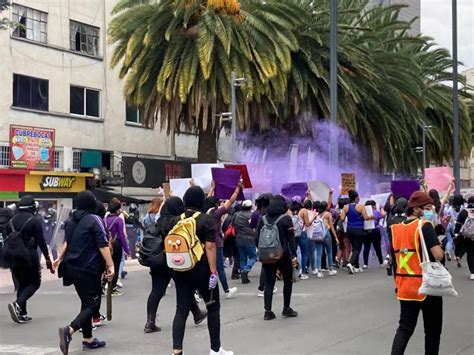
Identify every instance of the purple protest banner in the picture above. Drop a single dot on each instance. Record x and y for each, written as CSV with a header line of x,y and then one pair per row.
x,y
405,188
295,189
226,181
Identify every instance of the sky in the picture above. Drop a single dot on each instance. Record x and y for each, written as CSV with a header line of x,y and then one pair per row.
x,y
436,23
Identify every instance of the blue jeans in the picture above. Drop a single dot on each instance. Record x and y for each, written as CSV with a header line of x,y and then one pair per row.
x,y
302,243
449,238
312,253
220,268
319,252
248,256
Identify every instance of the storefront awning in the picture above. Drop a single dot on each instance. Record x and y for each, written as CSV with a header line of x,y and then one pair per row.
x,y
127,194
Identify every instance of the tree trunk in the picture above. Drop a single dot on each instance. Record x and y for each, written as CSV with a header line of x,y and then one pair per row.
x,y
207,146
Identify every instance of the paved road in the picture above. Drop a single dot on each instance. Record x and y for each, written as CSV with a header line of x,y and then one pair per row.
x,y
346,314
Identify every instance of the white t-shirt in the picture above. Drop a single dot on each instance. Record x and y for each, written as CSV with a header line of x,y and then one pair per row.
x,y
309,230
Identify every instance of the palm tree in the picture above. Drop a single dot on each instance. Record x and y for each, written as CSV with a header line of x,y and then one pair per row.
x,y
177,57
4,22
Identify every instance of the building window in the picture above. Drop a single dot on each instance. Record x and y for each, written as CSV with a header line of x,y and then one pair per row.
x,y
84,102
76,160
84,38
4,156
29,92
58,159
134,114
30,23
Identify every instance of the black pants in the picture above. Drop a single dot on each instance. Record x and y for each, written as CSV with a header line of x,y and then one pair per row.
x,y
236,267
356,237
186,283
29,281
432,309
88,288
160,278
117,253
261,283
373,237
285,267
466,246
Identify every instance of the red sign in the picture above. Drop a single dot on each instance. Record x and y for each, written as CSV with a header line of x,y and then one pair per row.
x,y
244,173
31,148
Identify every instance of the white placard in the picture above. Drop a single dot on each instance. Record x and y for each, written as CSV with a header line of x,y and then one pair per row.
x,y
380,199
202,176
371,223
179,186
319,190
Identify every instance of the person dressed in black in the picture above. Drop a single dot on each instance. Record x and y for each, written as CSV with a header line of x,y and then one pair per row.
x,y
161,275
82,260
203,277
276,209
28,274
465,244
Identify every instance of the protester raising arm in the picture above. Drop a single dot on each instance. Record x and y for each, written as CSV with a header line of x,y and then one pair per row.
x,y
445,198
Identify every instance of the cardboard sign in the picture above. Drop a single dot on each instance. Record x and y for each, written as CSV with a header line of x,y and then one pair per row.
x,y
202,175
178,187
348,183
439,178
226,181
295,189
405,188
319,190
166,190
243,172
31,148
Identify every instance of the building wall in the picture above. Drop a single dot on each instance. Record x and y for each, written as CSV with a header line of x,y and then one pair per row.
x,y
407,14
62,67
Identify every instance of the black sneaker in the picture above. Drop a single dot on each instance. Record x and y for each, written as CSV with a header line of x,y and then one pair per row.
x,y
96,344
200,318
151,328
14,310
269,315
289,313
123,274
25,319
235,277
64,339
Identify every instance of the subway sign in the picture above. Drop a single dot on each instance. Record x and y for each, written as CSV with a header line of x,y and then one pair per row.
x,y
57,182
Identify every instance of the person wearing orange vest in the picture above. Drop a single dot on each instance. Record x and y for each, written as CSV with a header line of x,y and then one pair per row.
x,y
408,277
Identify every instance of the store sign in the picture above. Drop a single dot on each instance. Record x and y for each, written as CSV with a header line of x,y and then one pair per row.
x,y
140,172
57,182
31,148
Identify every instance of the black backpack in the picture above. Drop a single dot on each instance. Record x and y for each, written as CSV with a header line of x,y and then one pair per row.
x,y
151,252
15,252
6,215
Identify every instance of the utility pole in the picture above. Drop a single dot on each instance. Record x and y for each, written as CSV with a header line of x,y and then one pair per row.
x,y
334,149
235,82
425,129
456,163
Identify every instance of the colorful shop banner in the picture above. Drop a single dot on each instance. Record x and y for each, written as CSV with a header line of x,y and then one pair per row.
x,y
439,178
348,183
226,181
31,148
244,173
55,182
405,188
295,189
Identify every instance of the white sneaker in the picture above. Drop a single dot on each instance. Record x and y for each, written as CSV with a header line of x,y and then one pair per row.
x,y
221,352
385,263
304,277
357,270
332,272
226,263
197,297
232,292
275,290
365,267
260,293
320,275
119,284
471,277
315,272
350,268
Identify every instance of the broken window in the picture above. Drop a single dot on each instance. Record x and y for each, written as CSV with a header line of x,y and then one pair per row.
x,y
29,23
84,38
29,92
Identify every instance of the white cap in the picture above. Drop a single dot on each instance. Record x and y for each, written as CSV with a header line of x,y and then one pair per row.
x,y
247,203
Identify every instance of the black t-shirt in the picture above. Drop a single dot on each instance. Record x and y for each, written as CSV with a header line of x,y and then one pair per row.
x,y
431,238
462,216
32,234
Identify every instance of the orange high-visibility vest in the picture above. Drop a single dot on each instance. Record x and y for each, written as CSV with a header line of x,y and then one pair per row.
x,y
406,245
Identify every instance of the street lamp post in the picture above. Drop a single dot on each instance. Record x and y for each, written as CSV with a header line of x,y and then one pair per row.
x,y
334,149
234,83
425,129
456,163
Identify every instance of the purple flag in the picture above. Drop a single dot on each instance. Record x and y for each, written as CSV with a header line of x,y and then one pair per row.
x,y
226,181
295,189
405,188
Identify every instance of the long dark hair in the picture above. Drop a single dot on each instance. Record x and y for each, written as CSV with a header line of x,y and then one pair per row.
x,y
436,200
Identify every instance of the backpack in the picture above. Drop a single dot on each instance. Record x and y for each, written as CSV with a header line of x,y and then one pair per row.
x,y
467,230
151,251
15,252
182,246
319,230
297,225
270,249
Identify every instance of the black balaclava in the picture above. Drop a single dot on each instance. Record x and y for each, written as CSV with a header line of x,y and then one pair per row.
x,y
194,198
85,201
172,207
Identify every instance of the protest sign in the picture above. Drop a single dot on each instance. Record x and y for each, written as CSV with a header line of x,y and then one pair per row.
x,y
226,181
166,190
295,189
348,183
380,199
319,190
405,188
202,176
243,172
368,225
179,186
439,178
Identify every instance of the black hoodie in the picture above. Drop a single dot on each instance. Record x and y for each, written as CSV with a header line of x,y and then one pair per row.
x,y
85,235
277,208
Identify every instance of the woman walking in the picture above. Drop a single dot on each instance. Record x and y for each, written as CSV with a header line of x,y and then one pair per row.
x,y
326,245
373,237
